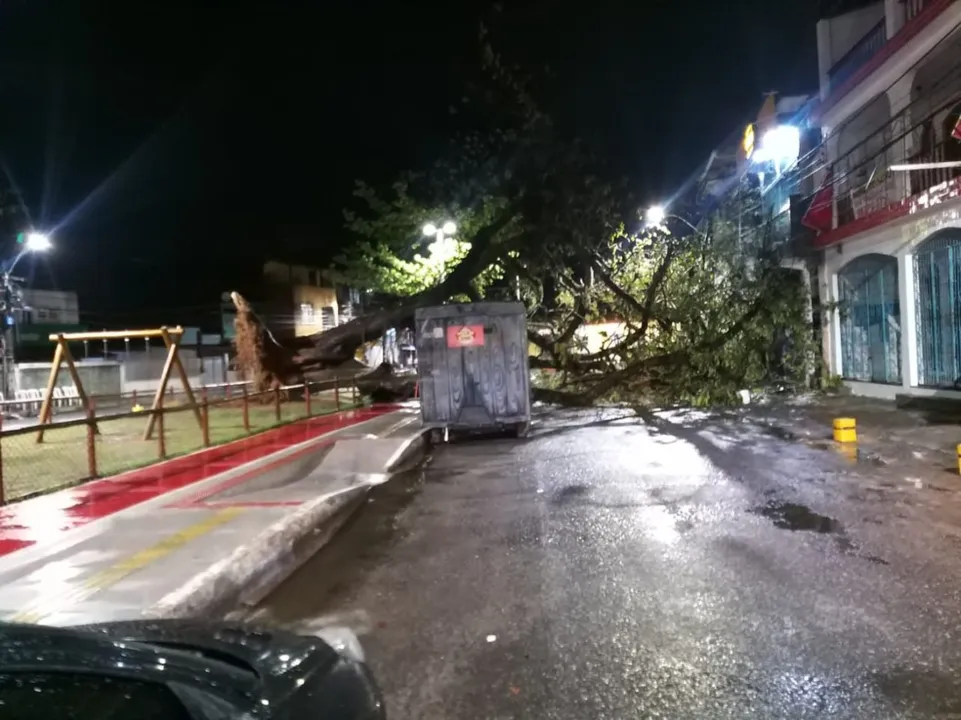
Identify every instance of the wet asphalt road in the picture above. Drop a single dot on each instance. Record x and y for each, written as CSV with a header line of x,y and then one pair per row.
x,y
678,568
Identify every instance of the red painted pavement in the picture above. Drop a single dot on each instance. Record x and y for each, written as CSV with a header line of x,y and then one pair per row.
x,y
200,499
24,523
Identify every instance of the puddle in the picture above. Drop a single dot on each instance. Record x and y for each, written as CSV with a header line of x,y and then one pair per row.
x,y
871,459
791,516
570,493
779,432
800,518
921,690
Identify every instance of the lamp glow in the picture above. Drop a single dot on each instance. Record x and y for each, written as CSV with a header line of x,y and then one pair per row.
x,y
779,144
38,242
655,214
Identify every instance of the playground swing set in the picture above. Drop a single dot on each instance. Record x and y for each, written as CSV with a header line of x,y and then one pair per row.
x,y
63,356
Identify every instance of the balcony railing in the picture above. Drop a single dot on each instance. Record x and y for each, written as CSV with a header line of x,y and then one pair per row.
x,y
864,49
864,184
913,8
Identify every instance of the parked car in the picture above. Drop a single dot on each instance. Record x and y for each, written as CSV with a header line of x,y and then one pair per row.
x,y
181,670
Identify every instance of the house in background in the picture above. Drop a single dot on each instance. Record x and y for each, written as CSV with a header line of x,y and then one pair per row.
x,y
890,76
50,307
301,300
45,312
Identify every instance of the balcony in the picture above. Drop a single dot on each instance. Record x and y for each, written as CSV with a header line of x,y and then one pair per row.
x,y
890,47
857,202
867,193
913,8
859,55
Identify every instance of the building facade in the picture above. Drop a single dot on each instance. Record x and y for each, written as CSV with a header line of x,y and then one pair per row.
x,y
45,312
890,175
302,300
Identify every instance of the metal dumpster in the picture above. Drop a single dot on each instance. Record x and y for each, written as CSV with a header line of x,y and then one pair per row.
x,y
473,366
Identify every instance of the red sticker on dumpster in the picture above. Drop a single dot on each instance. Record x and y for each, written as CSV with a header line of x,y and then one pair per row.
x,y
465,336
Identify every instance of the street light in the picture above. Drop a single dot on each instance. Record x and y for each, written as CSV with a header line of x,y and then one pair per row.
x,y
439,247
656,215
448,228
33,242
38,242
780,144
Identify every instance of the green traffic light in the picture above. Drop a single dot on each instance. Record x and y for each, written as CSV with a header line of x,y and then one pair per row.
x,y
21,237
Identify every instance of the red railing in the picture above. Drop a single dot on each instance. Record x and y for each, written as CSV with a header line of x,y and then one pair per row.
x,y
96,445
913,8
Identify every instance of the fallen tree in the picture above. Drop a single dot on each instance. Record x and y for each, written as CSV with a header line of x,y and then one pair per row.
x,y
694,318
697,317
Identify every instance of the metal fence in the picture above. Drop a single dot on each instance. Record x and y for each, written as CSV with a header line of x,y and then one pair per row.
x,y
937,272
92,444
870,320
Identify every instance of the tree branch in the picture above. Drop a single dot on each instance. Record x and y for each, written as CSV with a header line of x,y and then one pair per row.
x,y
339,344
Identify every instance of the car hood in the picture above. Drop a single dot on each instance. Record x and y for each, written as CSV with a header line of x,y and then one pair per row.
x,y
268,653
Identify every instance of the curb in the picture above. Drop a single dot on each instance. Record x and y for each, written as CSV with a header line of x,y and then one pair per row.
x,y
255,569
41,550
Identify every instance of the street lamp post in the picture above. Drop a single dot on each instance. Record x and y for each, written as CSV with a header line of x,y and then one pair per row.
x,y
33,242
440,234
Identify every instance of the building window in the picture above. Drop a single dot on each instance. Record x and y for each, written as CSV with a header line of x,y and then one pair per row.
x,y
870,316
306,314
328,318
937,287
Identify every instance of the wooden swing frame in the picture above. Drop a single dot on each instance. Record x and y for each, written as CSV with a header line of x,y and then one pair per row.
x,y
63,356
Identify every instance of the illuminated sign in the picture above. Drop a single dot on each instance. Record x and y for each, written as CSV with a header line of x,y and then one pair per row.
x,y
747,143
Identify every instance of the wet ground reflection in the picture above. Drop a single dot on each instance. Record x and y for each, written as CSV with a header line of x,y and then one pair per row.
x,y
800,518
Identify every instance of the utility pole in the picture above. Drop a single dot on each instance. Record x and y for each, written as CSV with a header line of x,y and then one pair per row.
x,y
11,304
11,301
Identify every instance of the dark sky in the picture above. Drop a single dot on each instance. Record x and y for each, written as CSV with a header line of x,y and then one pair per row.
x,y
172,144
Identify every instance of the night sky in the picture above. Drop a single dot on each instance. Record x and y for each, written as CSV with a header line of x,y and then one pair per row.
x,y
172,146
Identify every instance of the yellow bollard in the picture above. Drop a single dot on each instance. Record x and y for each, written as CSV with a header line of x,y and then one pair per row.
x,y
959,458
845,430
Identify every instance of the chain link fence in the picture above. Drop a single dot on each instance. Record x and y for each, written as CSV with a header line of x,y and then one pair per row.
x,y
84,445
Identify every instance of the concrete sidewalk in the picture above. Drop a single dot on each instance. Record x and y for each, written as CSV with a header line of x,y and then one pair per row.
x,y
214,543
919,441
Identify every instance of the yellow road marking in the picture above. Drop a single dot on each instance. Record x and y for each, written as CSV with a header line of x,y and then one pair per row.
x,y
103,579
